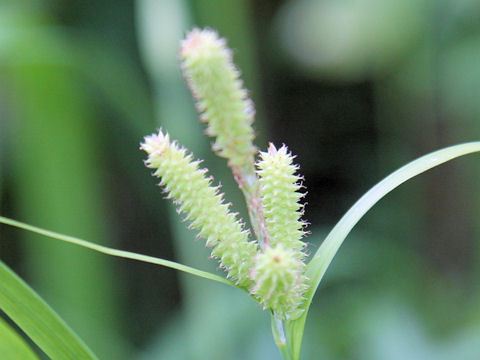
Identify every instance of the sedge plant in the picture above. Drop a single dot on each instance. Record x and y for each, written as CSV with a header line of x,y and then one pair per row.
x,y
266,259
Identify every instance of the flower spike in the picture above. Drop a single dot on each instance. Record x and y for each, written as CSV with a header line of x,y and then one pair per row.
x,y
279,281
191,190
221,99
279,189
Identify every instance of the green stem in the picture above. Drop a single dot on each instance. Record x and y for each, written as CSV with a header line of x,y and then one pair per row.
x,y
280,337
247,181
115,252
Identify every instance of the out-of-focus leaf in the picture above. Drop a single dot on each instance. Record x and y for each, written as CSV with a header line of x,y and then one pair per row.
x,y
461,79
57,184
391,330
350,40
248,335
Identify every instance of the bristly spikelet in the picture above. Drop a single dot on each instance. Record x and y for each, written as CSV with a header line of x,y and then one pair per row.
x,y
279,281
188,186
279,189
221,99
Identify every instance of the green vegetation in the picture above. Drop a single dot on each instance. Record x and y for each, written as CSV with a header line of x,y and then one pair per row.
x,y
81,84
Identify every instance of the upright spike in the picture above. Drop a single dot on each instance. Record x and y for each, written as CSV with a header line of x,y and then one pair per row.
x,y
221,99
279,189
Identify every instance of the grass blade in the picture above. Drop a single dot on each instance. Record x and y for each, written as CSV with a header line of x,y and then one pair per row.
x,y
115,252
38,320
325,254
328,249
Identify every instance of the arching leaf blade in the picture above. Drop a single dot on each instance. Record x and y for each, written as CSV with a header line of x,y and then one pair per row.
x,y
323,257
115,252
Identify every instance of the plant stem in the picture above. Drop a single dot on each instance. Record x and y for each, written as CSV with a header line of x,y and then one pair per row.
x,y
115,252
278,331
247,181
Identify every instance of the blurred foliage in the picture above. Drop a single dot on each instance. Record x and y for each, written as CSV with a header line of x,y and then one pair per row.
x,y
355,88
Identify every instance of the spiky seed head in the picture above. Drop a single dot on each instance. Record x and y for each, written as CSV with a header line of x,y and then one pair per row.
x,y
279,189
279,281
220,97
202,203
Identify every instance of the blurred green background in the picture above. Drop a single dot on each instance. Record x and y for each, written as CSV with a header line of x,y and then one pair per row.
x,y
355,88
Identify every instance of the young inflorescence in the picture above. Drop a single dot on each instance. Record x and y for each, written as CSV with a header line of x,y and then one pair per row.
x,y
279,188
188,186
220,97
274,272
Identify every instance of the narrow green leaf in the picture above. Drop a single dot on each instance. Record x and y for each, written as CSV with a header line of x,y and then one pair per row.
x,y
12,345
114,252
38,320
294,334
323,257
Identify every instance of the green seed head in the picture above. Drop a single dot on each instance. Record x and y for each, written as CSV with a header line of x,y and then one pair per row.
x,y
279,189
275,276
221,99
188,186
279,281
